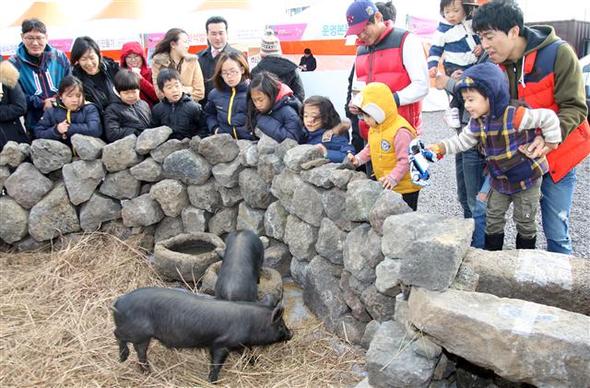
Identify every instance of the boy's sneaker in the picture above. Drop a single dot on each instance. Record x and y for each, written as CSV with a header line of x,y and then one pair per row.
x,y
452,118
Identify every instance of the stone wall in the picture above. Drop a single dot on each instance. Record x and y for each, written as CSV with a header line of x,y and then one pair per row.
x,y
376,273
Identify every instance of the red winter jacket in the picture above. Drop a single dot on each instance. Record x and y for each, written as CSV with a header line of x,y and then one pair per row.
x,y
146,88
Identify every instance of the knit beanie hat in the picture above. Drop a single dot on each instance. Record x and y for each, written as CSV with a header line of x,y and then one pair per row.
x,y
270,44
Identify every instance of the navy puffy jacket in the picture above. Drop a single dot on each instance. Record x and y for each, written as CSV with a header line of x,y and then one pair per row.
x,y
282,121
85,121
229,115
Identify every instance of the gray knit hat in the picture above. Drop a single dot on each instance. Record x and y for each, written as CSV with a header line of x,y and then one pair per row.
x,y
270,44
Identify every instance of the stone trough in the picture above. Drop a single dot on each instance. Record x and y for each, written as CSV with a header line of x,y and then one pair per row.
x,y
270,285
187,256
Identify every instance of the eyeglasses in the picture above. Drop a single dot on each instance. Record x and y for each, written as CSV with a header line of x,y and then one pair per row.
x,y
133,57
38,38
230,73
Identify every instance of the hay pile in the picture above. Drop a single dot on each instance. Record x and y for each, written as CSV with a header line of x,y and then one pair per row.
x,y
56,329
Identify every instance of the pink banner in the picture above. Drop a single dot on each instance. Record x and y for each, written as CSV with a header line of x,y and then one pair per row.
x,y
62,44
152,39
421,26
289,32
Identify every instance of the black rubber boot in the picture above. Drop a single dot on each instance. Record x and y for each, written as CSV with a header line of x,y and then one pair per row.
x,y
494,242
525,243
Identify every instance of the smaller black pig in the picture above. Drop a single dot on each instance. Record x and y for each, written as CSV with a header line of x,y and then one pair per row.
x,y
240,270
180,319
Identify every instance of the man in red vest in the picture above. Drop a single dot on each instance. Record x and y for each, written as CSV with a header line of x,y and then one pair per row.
x,y
544,72
389,55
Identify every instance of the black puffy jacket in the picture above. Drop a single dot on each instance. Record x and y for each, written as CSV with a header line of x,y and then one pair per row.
x,y
13,105
285,69
100,94
227,112
121,120
182,116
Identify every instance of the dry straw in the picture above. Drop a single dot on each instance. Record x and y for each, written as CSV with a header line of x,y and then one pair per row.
x,y
56,329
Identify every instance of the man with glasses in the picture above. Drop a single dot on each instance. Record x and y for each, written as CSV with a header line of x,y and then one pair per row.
x,y
41,69
389,55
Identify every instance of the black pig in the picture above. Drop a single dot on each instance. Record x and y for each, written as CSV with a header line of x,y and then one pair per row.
x,y
240,270
180,319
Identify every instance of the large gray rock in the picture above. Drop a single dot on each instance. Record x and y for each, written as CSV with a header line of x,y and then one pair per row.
x,y
151,138
286,145
220,148
98,210
269,165
172,145
205,196
350,329
538,276
171,195
298,271
186,166
12,155
120,154
353,301
4,174
284,185
370,331
320,176
194,220
362,253
249,218
392,360
255,190
388,203
224,221
278,257
360,199
148,171
521,341
248,153
87,147
14,220
82,178
307,204
229,197
49,155
168,227
141,211
334,204
54,215
430,247
298,156
27,185
330,242
341,177
266,145
379,306
227,174
120,185
300,237
322,294
275,220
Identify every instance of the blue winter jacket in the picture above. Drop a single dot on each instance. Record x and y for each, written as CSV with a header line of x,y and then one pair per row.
x,y
85,121
227,112
338,145
282,121
40,80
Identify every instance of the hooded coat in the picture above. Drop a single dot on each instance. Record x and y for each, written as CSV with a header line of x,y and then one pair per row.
x,y
146,87
285,70
13,105
282,120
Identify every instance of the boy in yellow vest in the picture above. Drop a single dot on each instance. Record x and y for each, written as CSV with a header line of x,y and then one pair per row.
x,y
389,137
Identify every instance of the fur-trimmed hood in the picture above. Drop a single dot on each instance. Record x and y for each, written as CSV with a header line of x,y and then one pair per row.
x,y
8,74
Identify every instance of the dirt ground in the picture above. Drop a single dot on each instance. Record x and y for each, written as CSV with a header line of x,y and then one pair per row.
x,y
56,329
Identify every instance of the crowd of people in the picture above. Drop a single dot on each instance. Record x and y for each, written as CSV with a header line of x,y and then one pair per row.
x,y
506,152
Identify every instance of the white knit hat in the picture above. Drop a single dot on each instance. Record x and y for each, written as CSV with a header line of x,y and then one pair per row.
x,y
270,44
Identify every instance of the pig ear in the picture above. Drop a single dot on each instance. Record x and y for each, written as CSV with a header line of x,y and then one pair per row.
x,y
277,314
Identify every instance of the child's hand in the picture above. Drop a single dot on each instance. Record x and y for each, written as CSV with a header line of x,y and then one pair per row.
x,y
48,103
537,148
388,183
551,146
478,50
432,72
136,70
63,127
438,149
322,148
352,160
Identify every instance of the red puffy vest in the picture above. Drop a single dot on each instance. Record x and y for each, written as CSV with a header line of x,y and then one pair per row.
x,y
383,62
